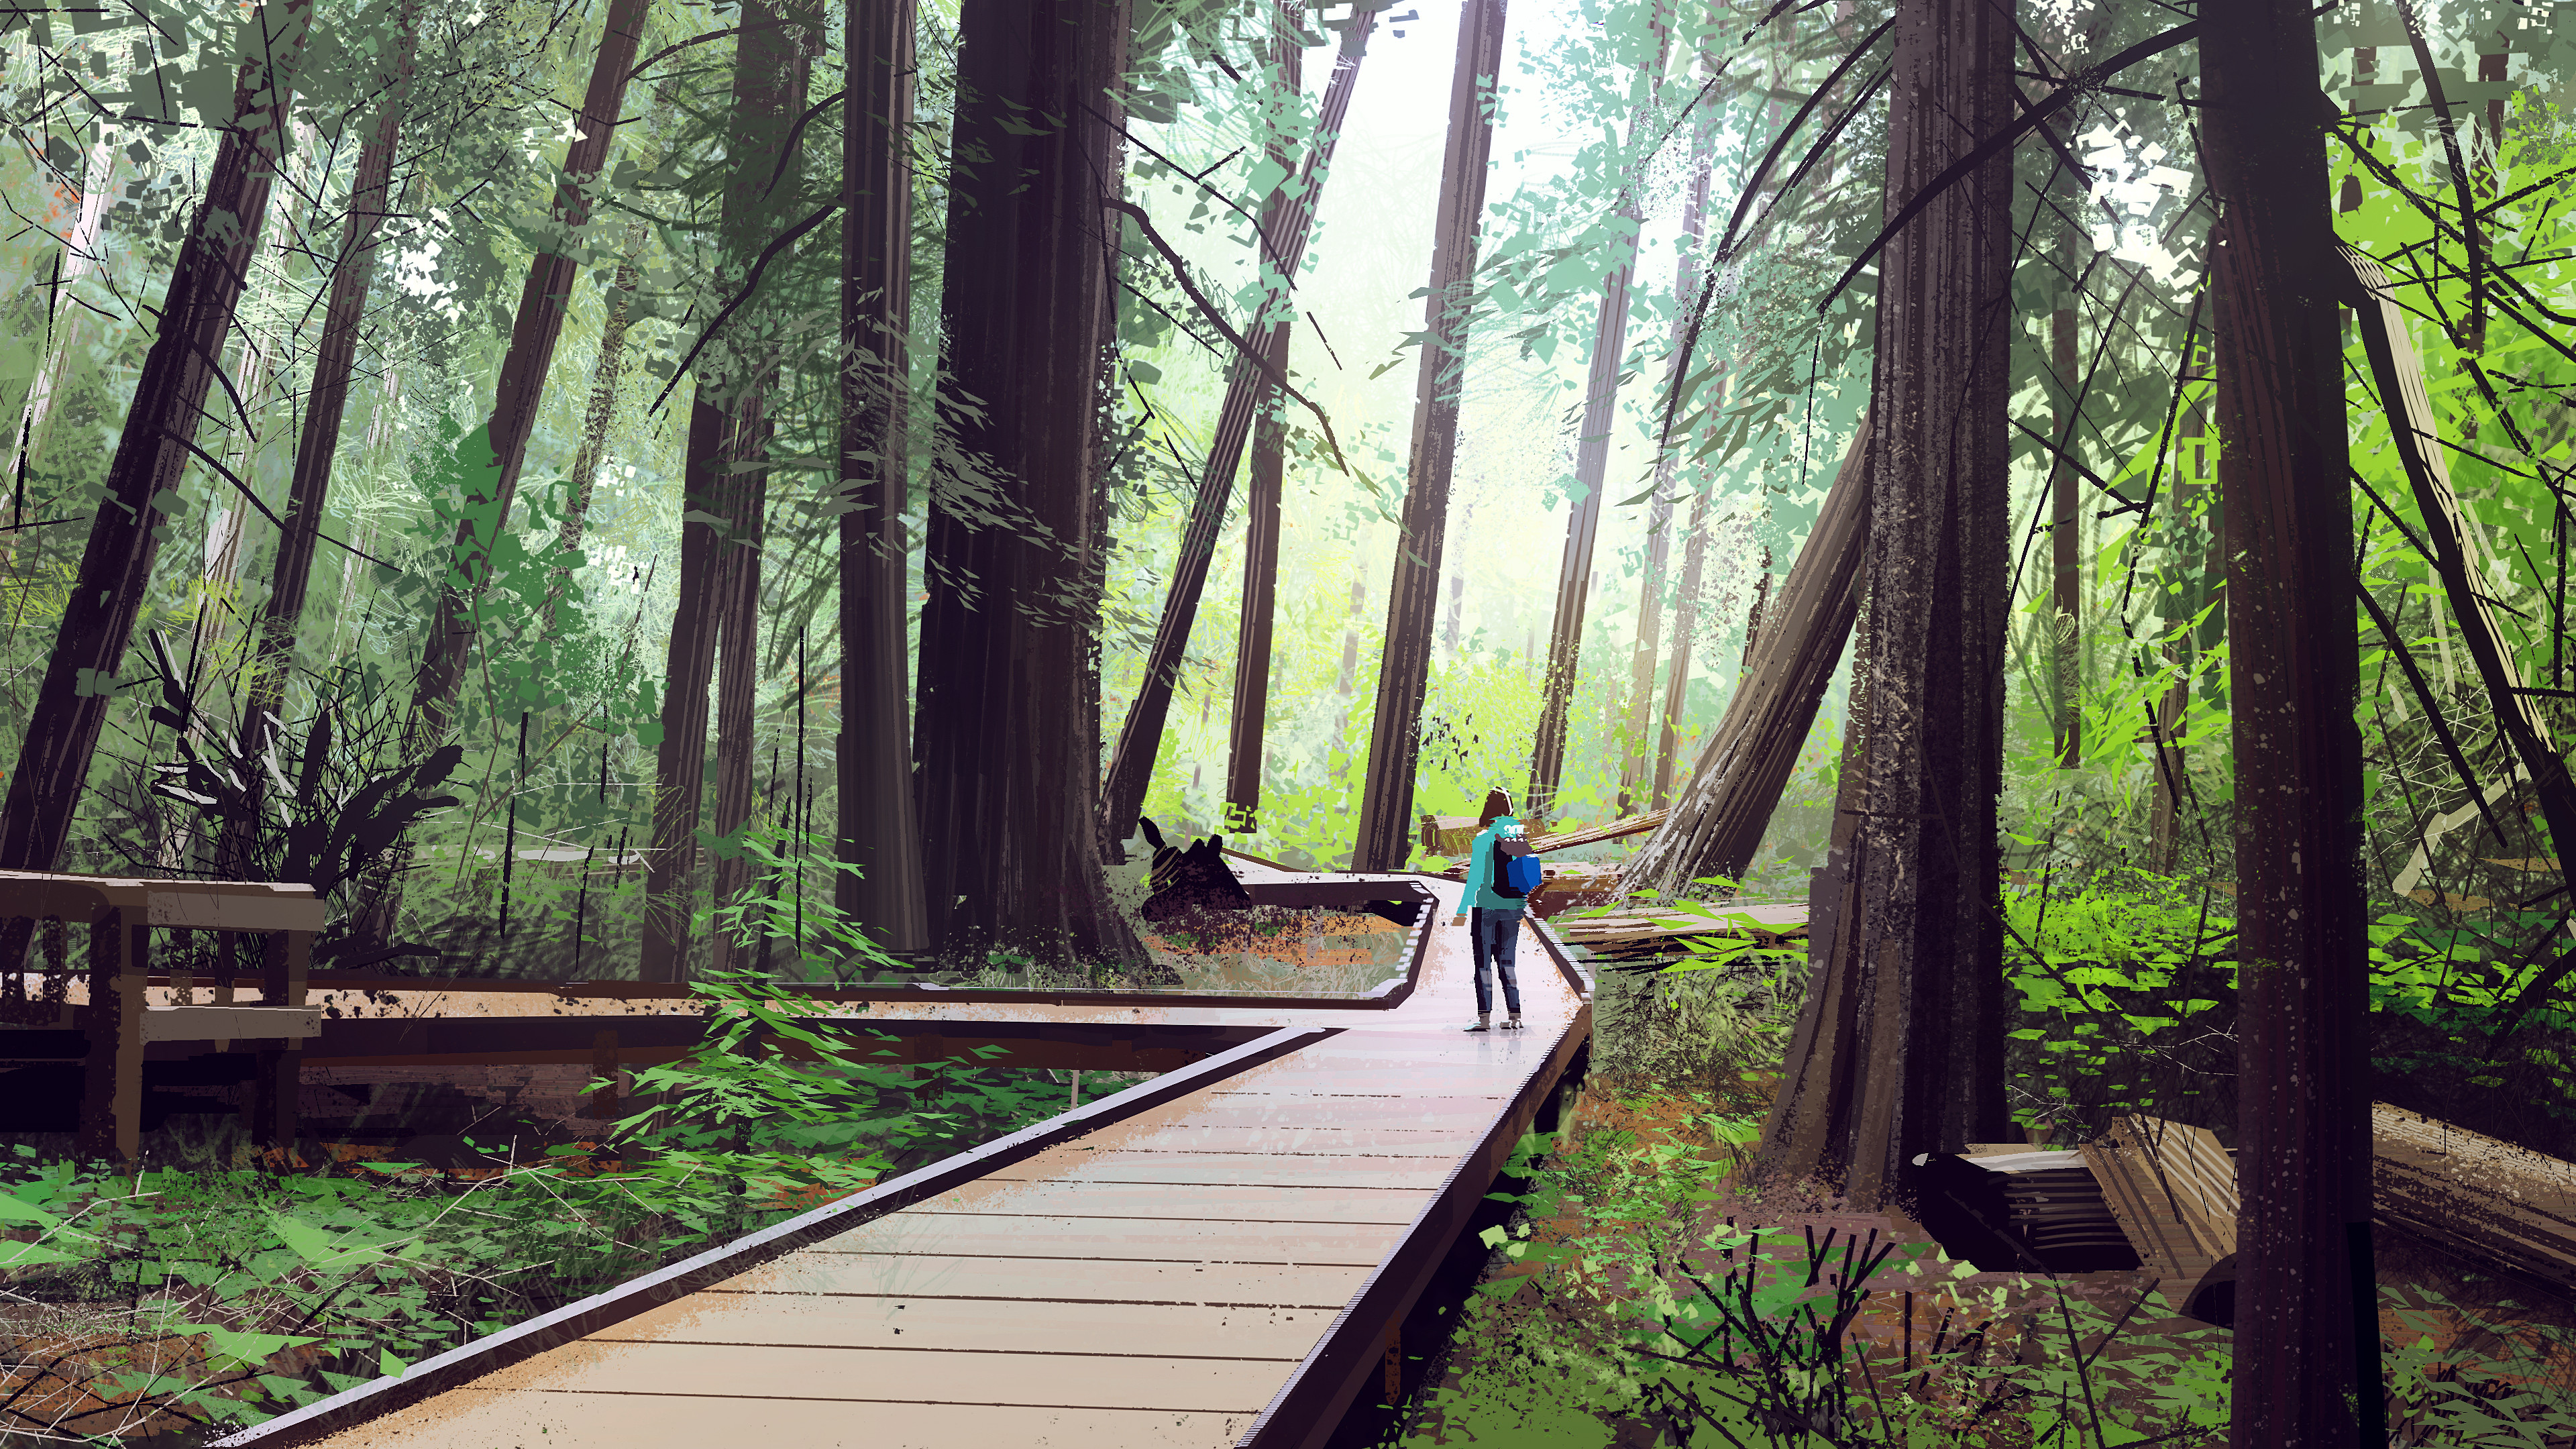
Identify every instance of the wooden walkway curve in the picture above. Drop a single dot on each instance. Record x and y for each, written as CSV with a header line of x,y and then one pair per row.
x,y
1211,1258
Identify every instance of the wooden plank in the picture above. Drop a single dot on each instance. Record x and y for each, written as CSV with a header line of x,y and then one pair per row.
x,y
1240,1202
2172,1189
480,1419
885,1375
1058,1280
1161,1240
1035,1325
1630,825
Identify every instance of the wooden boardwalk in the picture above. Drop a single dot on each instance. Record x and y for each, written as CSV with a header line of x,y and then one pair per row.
x,y
1211,1258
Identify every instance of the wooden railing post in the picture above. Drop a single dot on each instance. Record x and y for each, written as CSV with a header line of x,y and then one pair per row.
x,y
277,1077
111,1126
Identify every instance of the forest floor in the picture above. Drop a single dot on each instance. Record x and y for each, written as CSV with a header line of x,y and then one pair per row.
x,y
1970,1356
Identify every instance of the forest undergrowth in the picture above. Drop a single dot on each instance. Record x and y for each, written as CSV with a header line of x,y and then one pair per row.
x,y
162,1305
1653,1287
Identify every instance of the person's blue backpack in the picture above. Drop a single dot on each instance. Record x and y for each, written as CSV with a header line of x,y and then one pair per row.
x,y
1520,874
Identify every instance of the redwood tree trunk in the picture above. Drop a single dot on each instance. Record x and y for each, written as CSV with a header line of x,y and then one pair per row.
x,y
1011,852
1265,482
2306,1306
1582,527
543,303
1917,957
1677,677
880,826
720,578
1248,391
151,455
1386,827
596,418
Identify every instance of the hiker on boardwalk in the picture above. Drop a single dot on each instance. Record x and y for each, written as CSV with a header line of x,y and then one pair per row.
x,y
1496,919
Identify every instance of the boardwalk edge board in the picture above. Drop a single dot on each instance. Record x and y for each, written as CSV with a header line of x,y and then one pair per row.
x,y
467,1362
1309,1406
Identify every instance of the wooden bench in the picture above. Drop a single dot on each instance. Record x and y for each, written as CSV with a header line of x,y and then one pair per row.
x,y
120,914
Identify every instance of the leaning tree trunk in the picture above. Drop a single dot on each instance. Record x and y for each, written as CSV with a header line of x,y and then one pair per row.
x,y
1677,681
1265,481
596,420
544,301
1009,778
1386,828
1917,957
1248,392
151,455
880,830
2306,1306
2188,587
1718,823
720,543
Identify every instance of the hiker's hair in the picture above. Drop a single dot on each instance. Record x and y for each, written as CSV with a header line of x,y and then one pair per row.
x,y
1497,803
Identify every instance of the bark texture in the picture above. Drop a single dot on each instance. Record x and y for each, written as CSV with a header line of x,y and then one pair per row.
x,y
728,492
2303,1069
880,826
1011,857
1288,220
1386,825
1904,1052
151,457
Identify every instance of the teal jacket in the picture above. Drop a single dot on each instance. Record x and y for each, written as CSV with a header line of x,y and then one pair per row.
x,y
1484,864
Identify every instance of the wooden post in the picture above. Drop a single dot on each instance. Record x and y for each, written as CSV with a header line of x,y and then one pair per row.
x,y
111,1127
278,1074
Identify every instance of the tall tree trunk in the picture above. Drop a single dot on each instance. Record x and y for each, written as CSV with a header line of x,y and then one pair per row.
x,y
1248,391
1659,519
1008,784
2307,1370
308,490
1386,826
2189,590
597,418
151,456
1677,681
776,99
1265,483
1582,528
544,301
2066,548
1736,784
880,825
1917,957
728,444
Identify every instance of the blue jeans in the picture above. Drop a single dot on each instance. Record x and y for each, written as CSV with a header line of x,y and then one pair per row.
x,y
1497,935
